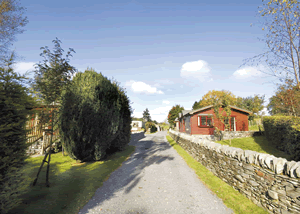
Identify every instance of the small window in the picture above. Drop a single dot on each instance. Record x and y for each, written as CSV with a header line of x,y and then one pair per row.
x,y
209,121
203,121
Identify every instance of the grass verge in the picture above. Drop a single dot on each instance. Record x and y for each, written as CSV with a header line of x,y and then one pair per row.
x,y
231,197
72,184
258,144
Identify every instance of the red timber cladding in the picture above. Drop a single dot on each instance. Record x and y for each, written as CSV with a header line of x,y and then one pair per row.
x,y
241,120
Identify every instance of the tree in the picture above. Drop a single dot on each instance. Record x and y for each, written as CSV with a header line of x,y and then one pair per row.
x,y
15,105
282,27
146,115
94,113
197,105
11,22
51,77
251,103
173,114
213,97
286,100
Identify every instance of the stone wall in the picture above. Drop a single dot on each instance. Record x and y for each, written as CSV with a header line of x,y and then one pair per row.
x,y
226,135
270,182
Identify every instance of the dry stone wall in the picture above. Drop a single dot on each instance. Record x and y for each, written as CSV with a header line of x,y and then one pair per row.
x,y
270,182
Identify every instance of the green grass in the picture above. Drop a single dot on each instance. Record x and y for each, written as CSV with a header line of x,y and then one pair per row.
x,y
253,128
258,144
72,184
231,197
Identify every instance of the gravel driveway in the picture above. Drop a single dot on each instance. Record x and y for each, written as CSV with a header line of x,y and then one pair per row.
x,y
155,179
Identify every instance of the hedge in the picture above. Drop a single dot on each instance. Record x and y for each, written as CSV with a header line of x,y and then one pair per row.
x,y
284,132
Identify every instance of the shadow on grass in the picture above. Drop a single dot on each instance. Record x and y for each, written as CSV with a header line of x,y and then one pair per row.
x,y
72,185
270,148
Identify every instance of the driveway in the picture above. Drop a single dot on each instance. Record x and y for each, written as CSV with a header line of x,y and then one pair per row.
x,y
155,179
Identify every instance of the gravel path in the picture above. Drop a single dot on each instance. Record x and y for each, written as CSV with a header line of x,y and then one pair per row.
x,y
155,179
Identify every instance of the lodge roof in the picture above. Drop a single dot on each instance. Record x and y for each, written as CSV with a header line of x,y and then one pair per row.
x,y
185,112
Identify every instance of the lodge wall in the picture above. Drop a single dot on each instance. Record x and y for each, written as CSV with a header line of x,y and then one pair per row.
x,y
270,182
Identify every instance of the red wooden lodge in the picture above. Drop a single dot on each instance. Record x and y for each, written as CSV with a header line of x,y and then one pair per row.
x,y
203,121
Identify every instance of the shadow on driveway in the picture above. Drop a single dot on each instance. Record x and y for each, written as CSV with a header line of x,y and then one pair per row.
x,y
129,175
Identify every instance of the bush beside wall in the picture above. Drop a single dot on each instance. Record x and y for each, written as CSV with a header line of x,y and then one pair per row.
x,y
284,132
270,182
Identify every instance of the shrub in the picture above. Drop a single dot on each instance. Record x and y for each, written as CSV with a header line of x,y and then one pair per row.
x,y
284,132
14,105
124,133
94,117
152,127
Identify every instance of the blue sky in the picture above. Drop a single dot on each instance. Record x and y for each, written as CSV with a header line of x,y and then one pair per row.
x,y
163,52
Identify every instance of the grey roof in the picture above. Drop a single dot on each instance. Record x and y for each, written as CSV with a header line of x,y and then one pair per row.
x,y
184,112
210,106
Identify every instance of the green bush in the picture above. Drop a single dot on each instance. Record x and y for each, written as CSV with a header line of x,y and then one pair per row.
x,y
14,108
152,127
93,117
124,133
284,133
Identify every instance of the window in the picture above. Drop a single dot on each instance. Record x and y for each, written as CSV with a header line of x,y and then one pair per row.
x,y
205,121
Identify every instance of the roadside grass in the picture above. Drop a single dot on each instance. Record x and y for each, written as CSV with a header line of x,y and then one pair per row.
x,y
253,128
72,184
231,197
257,143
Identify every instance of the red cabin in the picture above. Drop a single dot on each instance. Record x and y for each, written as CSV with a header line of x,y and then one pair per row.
x,y
203,121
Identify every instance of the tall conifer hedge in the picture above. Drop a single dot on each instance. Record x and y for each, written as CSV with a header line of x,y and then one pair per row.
x,y
93,115
15,105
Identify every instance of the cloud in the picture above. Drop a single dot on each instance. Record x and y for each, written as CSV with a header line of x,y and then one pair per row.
x,y
166,102
247,72
23,67
160,110
196,70
143,88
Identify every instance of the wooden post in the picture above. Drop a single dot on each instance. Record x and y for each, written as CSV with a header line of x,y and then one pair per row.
x,y
43,143
37,176
48,166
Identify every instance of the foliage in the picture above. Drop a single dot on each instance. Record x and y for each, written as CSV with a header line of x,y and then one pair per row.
x,y
213,97
11,22
77,182
251,103
164,126
284,132
146,115
137,119
173,114
197,105
94,112
151,126
15,105
286,100
231,198
223,101
281,26
124,133
53,74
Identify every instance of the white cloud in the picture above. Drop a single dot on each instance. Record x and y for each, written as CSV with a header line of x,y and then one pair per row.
x,y
166,102
143,88
23,67
247,72
160,114
196,70
138,114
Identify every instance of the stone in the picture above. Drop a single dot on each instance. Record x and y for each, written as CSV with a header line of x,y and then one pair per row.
x,y
249,167
279,167
253,183
269,161
292,171
293,194
297,171
239,178
281,192
289,166
289,188
273,194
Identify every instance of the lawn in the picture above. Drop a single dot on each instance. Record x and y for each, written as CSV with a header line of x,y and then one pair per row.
x,y
231,197
258,144
72,184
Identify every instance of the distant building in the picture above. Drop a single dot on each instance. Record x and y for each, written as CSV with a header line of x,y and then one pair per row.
x,y
137,125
